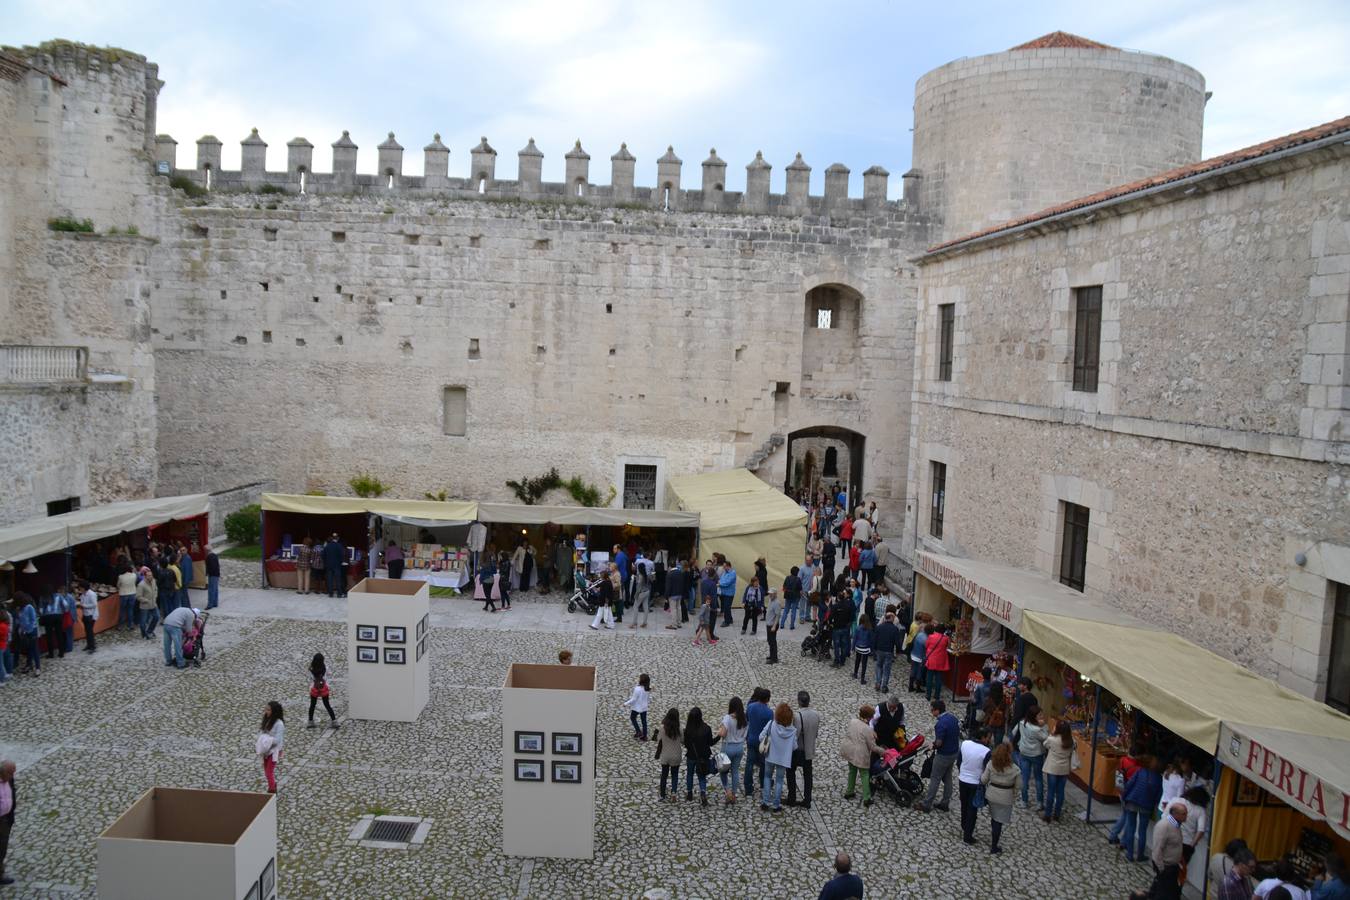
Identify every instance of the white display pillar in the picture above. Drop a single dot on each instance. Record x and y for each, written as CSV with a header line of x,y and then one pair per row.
x,y
207,845
388,664
548,761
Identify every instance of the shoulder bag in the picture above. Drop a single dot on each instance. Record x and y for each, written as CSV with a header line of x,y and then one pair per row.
x,y
764,739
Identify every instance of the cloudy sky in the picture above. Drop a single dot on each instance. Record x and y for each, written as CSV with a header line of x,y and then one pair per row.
x,y
834,81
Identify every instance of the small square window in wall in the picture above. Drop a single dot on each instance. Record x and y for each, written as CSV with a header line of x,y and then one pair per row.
x,y
1087,337
455,402
946,340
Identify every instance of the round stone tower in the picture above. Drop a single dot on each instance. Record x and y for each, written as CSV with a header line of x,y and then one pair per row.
x,y
1004,135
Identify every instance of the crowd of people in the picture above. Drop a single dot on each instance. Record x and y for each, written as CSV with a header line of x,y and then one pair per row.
x,y
151,586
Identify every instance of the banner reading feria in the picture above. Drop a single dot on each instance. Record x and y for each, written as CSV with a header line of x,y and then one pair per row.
x,y
1308,772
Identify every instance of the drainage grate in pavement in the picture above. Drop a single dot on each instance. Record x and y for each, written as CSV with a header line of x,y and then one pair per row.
x,y
394,832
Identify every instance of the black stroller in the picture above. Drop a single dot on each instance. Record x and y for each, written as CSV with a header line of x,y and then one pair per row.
x,y
819,642
894,772
194,642
586,599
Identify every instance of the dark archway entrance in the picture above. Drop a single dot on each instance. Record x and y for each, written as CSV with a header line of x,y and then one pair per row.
x,y
829,443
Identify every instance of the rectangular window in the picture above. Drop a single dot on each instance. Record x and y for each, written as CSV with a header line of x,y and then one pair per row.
x,y
456,410
824,318
946,328
1087,337
1338,671
639,487
58,507
939,500
1073,550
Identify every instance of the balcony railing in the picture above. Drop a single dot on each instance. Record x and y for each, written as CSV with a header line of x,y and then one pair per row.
x,y
21,364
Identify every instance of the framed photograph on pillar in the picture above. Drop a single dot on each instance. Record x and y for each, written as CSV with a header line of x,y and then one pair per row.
x,y
529,742
529,770
367,654
395,656
566,743
367,633
567,772
395,634
268,880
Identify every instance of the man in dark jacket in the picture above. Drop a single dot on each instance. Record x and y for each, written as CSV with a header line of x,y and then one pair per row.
x,y
1025,699
827,564
9,801
212,579
845,884
892,716
841,615
333,553
676,587
885,644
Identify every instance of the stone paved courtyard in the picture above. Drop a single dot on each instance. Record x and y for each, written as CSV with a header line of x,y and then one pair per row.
x,y
92,733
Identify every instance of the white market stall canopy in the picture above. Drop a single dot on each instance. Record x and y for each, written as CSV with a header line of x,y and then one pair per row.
x,y
35,537
521,514
432,513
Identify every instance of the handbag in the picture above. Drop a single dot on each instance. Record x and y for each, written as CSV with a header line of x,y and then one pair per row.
x,y
1120,781
723,763
926,770
1075,762
978,801
764,741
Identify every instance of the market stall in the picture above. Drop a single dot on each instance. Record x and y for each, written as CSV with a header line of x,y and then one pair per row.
x,y
541,528
743,518
360,524
47,553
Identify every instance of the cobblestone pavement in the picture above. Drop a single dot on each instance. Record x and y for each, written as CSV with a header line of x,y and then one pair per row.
x,y
94,732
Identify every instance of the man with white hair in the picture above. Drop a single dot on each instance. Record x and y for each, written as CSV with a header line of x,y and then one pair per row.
x,y
1166,856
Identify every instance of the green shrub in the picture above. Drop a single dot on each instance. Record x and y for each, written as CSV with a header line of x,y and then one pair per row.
x,y
367,485
271,189
244,527
187,186
66,223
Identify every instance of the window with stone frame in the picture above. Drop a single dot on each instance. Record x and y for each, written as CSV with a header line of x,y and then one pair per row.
x,y
455,402
946,339
938,502
1087,337
1073,546
1338,667
639,486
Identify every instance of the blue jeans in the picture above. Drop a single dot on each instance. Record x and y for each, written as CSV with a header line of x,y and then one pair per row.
x,y
173,646
32,652
1032,765
633,716
841,645
70,636
690,770
752,759
212,591
674,773
692,603
774,776
934,691
149,619
126,616
1135,835
336,581
6,664
732,775
789,608
885,659
725,600
1054,803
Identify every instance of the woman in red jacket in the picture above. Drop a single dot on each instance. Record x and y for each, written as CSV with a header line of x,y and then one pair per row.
x,y
937,661
846,532
854,560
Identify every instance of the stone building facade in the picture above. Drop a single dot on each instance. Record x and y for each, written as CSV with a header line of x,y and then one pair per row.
x,y
1166,360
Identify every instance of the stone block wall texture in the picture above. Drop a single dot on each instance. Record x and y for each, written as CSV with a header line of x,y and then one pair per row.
x,y
314,340
1007,134
74,145
1218,443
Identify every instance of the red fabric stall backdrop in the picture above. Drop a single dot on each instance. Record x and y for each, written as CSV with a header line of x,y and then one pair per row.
x,y
351,529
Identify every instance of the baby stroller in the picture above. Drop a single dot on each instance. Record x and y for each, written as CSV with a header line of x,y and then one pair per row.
x,y
586,599
194,643
894,772
819,642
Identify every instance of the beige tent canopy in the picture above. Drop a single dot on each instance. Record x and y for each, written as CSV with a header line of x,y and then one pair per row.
x,y
430,510
521,514
35,537
743,518
1285,741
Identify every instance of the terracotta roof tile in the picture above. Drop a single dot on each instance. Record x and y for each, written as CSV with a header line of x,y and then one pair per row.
x,y
1062,39
1213,164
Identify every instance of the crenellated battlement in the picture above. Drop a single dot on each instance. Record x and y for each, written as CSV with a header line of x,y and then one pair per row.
x,y
482,182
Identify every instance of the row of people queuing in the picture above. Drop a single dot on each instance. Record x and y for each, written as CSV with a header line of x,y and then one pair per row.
x,y
146,593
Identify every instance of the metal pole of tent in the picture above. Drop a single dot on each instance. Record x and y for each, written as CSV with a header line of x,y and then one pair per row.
x,y
70,555
1092,765
1021,655
1209,826
262,556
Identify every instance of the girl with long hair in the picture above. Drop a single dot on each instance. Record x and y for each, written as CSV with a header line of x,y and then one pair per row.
x,y
271,737
669,749
732,733
318,690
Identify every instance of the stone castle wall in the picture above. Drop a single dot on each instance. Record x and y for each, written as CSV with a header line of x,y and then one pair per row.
x,y
314,340
1008,134
1218,443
